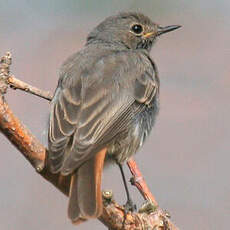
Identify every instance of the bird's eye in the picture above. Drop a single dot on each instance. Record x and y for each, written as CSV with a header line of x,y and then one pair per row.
x,y
137,29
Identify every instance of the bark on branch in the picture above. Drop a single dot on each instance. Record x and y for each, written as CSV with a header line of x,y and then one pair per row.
x,y
150,216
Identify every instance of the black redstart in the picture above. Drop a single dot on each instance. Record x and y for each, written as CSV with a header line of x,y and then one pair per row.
x,y
104,106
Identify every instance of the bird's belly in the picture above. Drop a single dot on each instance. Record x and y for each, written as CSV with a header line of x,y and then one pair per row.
x,y
130,140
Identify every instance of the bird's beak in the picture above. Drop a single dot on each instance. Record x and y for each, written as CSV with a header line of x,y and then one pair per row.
x,y
161,30
166,29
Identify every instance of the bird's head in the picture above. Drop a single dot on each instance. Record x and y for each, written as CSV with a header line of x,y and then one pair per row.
x,y
133,30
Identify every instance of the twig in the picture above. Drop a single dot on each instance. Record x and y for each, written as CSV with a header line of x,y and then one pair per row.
x,y
138,181
7,79
18,84
113,214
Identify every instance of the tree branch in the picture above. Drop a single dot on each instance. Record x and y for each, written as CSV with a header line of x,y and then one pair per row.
x,y
113,215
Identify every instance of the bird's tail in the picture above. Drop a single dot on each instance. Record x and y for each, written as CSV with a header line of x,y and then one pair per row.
x,y
85,200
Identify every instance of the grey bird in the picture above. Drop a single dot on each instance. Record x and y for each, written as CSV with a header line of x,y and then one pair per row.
x,y
104,106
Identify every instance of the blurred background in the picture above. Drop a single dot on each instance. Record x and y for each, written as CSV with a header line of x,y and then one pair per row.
x,y
186,159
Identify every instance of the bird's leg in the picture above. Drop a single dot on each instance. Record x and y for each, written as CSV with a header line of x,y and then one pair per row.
x,y
129,206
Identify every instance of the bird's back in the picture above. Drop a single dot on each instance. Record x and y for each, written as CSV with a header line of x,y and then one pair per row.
x,y
107,96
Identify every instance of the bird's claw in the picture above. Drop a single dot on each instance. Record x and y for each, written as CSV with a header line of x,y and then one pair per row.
x,y
130,206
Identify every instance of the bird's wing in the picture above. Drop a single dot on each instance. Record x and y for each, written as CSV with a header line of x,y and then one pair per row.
x,y
90,109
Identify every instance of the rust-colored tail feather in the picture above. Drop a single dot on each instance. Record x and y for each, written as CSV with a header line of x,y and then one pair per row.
x,y
85,200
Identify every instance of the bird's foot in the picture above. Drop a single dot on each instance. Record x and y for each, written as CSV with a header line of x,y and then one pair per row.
x,y
130,206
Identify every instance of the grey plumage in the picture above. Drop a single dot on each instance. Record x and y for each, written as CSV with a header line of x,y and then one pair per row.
x,y
107,96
